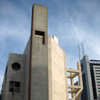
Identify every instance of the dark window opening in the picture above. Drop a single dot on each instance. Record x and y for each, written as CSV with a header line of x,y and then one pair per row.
x,y
97,67
81,67
14,87
0,96
97,73
98,70
97,76
41,33
16,66
6,73
97,79
6,70
84,93
93,82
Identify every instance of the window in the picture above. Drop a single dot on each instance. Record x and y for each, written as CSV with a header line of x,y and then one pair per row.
x,y
40,33
97,73
16,66
97,67
14,86
97,79
98,70
81,67
97,76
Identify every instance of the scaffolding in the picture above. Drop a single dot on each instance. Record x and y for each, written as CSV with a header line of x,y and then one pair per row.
x,y
75,89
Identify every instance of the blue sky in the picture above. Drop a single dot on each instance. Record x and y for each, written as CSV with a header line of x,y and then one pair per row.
x,y
72,21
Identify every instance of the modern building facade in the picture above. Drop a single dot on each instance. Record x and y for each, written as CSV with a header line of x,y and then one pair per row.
x,y
91,79
40,72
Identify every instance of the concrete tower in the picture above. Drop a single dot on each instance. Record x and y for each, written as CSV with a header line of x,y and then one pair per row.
x,y
39,54
47,61
39,73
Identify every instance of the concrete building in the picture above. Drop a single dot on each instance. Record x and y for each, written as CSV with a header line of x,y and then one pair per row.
x,y
91,79
39,73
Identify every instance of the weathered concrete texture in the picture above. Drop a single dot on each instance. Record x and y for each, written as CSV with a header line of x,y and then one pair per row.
x,y
10,75
43,65
27,65
57,72
39,65
42,87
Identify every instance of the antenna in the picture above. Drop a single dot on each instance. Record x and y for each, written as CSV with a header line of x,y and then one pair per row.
x,y
79,52
82,45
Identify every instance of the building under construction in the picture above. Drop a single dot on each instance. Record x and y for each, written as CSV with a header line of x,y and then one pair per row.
x,y
40,73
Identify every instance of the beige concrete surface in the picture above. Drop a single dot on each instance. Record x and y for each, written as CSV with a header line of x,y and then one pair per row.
x,y
43,73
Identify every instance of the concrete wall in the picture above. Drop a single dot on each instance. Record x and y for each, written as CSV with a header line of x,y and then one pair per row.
x,y
39,63
27,65
57,72
12,75
42,74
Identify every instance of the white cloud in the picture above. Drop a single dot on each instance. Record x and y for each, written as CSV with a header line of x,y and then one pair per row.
x,y
14,22
83,27
89,38
14,28
72,24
